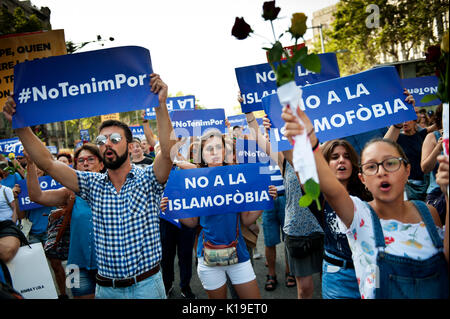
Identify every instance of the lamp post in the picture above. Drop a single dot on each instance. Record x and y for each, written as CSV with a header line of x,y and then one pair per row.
x,y
321,35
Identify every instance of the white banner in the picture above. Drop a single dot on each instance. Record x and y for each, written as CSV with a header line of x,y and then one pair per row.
x,y
31,274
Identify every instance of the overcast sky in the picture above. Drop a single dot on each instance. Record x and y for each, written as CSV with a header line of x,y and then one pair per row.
x,y
190,41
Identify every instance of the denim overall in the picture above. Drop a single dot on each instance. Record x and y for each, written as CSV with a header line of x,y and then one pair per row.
x,y
403,277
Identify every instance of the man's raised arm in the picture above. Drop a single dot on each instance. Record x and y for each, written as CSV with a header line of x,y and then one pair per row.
x,y
40,154
163,161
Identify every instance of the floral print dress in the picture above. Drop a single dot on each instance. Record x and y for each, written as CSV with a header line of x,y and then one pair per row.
x,y
407,240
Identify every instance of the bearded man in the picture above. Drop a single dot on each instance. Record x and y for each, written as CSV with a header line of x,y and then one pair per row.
x,y
124,202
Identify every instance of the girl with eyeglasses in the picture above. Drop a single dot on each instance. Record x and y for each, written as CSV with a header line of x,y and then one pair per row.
x,y
397,245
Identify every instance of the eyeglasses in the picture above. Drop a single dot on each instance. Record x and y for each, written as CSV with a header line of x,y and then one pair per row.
x,y
89,159
211,148
390,165
115,138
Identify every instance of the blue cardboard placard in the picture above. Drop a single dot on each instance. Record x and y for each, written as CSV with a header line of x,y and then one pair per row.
x,y
84,136
351,105
421,86
138,131
45,182
82,85
248,151
197,122
258,81
272,107
217,190
11,145
173,103
241,120
53,149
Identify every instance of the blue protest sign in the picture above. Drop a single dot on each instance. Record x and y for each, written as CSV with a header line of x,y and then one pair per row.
x,y
53,149
82,85
173,103
421,86
241,120
248,151
45,182
237,120
11,145
217,190
353,104
138,131
84,136
272,107
176,222
258,81
197,122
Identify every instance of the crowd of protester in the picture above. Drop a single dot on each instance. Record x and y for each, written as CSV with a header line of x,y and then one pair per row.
x,y
383,211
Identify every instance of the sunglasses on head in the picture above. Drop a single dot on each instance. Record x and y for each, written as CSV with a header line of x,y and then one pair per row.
x,y
115,138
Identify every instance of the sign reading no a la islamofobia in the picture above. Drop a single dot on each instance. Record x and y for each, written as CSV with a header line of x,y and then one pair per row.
x,y
82,85
347,106
217,190
258,81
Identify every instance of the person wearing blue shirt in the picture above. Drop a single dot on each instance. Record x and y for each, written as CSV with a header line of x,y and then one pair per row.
x,y
222,229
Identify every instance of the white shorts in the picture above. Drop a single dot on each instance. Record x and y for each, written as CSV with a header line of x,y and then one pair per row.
x,y
215,277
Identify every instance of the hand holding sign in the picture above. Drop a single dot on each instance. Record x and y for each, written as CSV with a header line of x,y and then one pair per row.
x,y
9,108
159,87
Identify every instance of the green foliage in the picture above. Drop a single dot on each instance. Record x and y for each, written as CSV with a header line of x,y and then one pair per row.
x,y
18,22
312,192
403,25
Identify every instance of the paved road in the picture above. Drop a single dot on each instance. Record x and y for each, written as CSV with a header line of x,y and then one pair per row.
x,y
281,292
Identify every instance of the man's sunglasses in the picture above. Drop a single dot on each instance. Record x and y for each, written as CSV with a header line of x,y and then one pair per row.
x,y
115,138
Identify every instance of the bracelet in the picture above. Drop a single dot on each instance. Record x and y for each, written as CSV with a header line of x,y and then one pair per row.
x,y
310,132
254,119
399,127
315,147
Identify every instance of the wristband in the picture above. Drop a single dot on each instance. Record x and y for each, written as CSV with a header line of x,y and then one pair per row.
x,y
398,126
315,147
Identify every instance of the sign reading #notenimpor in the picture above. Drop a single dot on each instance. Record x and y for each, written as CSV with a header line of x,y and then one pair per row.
x,y
197,122
82,85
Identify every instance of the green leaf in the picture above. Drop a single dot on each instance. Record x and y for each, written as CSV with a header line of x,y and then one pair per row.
x,y
312,188
428,98
305,201
284,74
276,52
299,54
311,62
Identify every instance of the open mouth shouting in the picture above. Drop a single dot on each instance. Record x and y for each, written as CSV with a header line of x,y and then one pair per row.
x,y
385,186
109,154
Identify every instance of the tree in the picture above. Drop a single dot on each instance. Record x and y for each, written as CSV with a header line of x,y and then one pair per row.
x,y
401,26
18,22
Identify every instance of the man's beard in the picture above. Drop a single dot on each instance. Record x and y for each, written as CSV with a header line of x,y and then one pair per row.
x,y
117,162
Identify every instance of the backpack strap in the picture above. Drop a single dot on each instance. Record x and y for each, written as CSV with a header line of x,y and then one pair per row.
x,y
6,198
67,215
